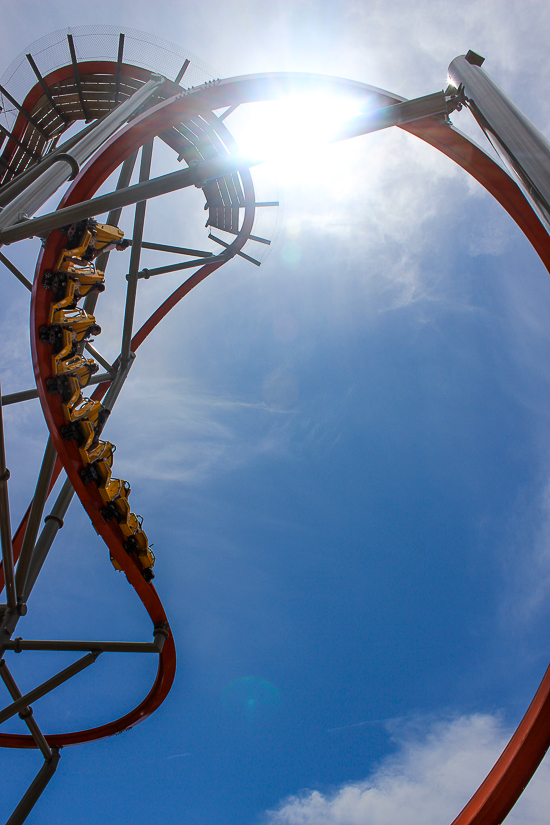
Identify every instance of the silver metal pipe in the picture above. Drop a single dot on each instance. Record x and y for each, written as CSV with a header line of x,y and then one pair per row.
x,y
15,693
76,71
101,377
399,113
241,254
524,150
137,237
118,382
35,790
37,193
196,175
13,269
177,250
27,395
162,270
99,358
19,645
53,524
47,686
25,114
37,508
5,525
15,397
15,187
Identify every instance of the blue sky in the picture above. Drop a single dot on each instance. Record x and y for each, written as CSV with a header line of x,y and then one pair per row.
x,y
341,458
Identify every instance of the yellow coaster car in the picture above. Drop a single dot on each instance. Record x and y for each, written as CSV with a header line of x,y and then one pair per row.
x,y
99,461
70,393
114,488
92,450
88,239
76,366
68,302
81,242
102,451
87,419
106,234
83,273
69,327
139,544
115,564
75,318
119,509
86,409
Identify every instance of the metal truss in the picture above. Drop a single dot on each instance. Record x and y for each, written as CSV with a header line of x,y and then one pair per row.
x,y
136,111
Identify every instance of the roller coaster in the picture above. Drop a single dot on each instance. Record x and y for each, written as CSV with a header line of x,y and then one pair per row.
x,y
114,107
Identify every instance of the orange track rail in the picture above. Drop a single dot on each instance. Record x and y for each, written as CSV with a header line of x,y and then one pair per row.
x,y
504,784
84,188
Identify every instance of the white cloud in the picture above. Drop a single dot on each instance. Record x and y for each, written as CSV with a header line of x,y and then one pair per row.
x,y
427,782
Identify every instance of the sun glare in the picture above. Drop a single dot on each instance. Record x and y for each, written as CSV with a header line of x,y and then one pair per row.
x,y
294,130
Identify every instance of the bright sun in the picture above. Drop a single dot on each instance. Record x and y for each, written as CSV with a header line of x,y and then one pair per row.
x,y
295,129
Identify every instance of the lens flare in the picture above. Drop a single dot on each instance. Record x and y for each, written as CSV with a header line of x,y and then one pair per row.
x,y
250,695
292,128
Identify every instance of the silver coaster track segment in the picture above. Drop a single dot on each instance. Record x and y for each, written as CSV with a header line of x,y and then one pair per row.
x,y
37,193
424,116
197,175
523,149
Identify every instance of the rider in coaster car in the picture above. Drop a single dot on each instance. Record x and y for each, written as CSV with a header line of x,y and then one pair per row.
x,y
88,239
98,247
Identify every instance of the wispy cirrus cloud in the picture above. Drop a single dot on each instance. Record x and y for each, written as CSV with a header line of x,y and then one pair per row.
x,y
183,433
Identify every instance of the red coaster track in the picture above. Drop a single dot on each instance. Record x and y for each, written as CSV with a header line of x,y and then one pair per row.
x,y
504,784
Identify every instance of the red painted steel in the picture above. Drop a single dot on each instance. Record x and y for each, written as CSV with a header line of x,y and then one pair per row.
x,y
90,67
68,452
513,770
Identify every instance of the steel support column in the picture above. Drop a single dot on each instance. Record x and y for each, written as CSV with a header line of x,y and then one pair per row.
x,y
118,382
137,236
38,192
163,270
27,395
47,686
5,525
119,66
25,114
182,71
45,89
524,150
76,71
19,645
37,508
53,524
26,713
177,250
13,269
34,792
9,190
